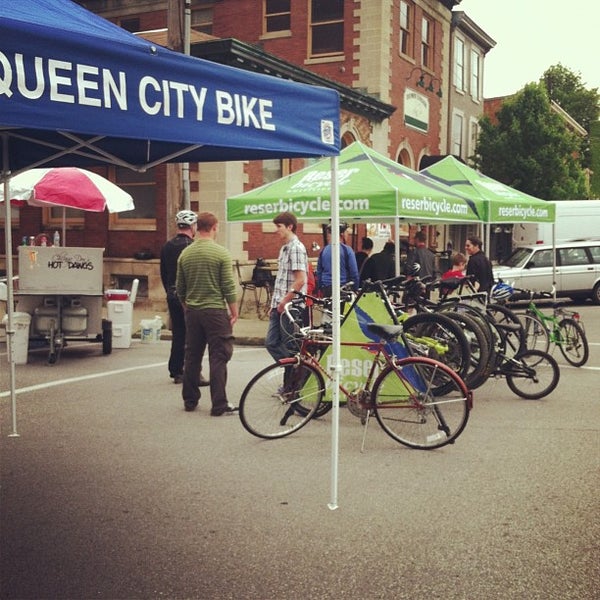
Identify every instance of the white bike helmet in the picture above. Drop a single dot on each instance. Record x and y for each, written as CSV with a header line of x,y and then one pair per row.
x,y
501,291
186,218
413,270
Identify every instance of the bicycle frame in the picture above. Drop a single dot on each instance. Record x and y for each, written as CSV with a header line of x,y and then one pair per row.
x,y
551,322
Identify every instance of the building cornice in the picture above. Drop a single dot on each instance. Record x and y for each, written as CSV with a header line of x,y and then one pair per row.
x,y
462,22
232,52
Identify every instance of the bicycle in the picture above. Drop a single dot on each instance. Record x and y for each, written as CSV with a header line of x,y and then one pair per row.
x,y
419,402
563,328
531,374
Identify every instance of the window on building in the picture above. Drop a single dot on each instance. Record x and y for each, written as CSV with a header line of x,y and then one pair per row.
x,y
202,19
473,136
406,28
53,217
457,134
131,25
277,16
475,75
427,42
326,27
459,64
142,187
275,168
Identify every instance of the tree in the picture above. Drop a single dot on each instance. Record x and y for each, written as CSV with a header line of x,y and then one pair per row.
x,y
531,149
569,92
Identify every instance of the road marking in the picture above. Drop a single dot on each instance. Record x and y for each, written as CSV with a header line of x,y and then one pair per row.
x,y
48,384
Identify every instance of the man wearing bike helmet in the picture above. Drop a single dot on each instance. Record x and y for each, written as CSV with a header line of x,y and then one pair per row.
x,y
185,221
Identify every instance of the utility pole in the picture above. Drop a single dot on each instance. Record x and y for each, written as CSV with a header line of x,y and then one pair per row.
x,y
176,173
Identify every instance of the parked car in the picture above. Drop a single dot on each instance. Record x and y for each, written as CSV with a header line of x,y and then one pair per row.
x,y
577,269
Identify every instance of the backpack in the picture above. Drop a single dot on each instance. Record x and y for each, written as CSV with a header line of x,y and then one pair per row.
x,y
261,274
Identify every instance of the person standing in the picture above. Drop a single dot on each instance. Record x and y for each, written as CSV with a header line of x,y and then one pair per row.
x,y
381,265
185,221
348,267
422,255
479,266
292,269
207,290
366,247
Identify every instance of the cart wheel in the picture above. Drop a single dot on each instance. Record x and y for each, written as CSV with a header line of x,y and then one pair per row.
x,y
106,336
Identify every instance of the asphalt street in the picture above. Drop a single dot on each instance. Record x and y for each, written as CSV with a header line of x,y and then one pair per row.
x,y
111,490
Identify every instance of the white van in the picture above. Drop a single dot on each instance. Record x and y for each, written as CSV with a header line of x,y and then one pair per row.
x,y
577,269
575,220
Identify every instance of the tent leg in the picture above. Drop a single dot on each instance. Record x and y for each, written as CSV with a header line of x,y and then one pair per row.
x,y
9,286
336,367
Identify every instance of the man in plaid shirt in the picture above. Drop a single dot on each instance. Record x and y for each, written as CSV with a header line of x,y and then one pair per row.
x,y
292,269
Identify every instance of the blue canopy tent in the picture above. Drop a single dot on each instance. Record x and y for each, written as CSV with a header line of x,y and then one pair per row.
x,y
76,90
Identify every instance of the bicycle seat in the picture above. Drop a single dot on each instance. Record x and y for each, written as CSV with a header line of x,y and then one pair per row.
x,y
388,332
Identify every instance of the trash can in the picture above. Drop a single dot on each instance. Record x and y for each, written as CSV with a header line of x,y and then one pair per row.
x,y
20,339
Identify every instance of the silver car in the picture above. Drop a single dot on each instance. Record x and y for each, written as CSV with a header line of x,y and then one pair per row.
x,y
577,269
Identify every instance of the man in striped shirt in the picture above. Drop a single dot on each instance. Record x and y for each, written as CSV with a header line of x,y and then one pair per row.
x,y
292,269
208,292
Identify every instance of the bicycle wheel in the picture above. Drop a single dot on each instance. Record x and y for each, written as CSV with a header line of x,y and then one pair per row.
x,y
481,353
572,342
437,336
536,334
532,374
410,411
268,404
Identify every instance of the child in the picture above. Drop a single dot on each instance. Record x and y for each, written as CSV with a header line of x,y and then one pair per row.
x,y
459,264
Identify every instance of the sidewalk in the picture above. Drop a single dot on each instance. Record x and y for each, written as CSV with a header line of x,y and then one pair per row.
x,y
248,331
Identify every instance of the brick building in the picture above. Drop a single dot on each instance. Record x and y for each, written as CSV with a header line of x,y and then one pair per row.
x,y
393,63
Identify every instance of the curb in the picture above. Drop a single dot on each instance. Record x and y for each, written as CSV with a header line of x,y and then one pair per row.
x,y
165,335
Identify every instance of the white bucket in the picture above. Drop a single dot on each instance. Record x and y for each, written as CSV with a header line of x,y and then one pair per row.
x,y
150,330
20,340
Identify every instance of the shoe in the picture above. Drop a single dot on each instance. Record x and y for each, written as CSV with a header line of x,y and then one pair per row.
x,y
189,406
203,382
177,378
227,410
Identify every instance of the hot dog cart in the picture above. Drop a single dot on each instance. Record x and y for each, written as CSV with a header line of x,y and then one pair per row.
x,y
61,288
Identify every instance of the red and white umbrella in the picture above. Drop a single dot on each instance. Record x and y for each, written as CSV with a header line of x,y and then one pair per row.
x,y
69,187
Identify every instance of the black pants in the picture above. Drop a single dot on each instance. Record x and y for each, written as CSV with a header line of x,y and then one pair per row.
x,y
178,332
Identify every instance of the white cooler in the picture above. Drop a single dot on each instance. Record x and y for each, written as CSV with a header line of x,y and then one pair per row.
x,y
120,312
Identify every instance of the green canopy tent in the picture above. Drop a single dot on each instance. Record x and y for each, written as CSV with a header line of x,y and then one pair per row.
x,y
502,203
370,186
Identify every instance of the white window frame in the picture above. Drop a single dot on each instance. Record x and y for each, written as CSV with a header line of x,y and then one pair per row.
x,y
406,28
473,136
459,64
457,139
427,41
475,75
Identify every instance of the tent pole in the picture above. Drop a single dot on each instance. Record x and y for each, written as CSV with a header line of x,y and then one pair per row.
x,y
9,285
335,298
396,240
63,239
185,167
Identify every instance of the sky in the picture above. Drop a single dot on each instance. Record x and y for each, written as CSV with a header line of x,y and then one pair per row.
x,y
532,35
